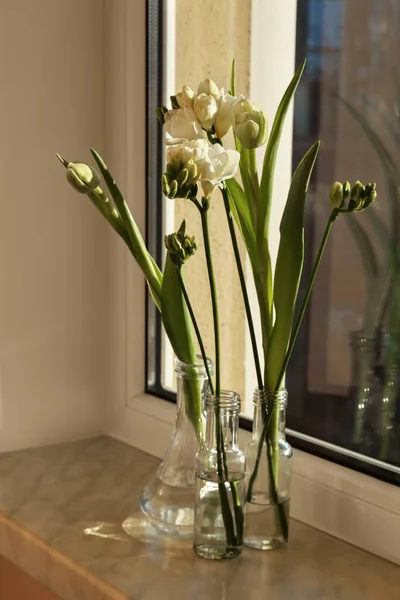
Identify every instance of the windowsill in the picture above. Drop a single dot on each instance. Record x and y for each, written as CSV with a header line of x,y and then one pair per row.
x,y
61,515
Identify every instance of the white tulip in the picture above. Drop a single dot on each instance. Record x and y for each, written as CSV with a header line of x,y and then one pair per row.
x,y
205,108
181,124
224,119
186,97
187,154
220,165
209,87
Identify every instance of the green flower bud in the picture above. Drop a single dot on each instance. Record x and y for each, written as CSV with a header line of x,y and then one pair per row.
x,y
171,172
356,196
250,124
370,194
173,189
174,102
192,170
160,114
182,177
180,246
346,189
165,185
84,179
336,195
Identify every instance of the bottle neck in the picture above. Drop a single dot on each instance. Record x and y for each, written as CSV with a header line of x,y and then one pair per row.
x,y
222,416
229,425
191,381
264,405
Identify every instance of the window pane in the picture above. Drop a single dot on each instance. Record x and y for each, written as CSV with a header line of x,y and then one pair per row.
x,y
343,379
345,370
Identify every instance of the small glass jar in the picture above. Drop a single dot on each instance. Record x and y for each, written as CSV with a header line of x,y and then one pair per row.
x,y
269,468
220,482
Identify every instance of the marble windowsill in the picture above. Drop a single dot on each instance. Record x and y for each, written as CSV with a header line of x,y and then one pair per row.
x,y
61,514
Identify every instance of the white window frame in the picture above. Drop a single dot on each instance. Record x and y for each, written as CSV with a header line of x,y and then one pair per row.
x,y
349,505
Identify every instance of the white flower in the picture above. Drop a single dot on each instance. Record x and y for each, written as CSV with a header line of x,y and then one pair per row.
x,y
189,155
220,165
205,108
209,87
181,124
186,97
224,119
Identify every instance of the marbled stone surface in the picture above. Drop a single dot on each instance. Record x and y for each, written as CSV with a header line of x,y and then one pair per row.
x,y
62,510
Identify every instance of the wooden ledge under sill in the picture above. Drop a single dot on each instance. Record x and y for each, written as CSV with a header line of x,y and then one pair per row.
x,y
62,510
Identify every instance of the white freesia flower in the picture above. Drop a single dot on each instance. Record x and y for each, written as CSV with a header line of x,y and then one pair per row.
x,y
205,108
186,97
224,119
209,87
220,165
181,124
186,155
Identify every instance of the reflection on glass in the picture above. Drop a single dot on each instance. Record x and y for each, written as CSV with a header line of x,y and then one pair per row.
x,y
346,369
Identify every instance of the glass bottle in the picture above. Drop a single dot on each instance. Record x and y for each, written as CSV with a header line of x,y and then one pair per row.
x,y
220,482
269,469
167,499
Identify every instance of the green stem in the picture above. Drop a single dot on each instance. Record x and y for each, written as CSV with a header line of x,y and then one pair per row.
x,y
288,354
214,300
243,286
196,328
253,171
223,474
306,298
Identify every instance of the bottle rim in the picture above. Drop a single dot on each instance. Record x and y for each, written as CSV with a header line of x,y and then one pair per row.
x,y
183,368
265,397
226,400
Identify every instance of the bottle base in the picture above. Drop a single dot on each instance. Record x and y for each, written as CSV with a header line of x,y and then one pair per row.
x,y
175,519
216,552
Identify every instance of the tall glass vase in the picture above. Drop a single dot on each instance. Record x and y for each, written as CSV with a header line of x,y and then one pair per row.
x,y
269,469
167,499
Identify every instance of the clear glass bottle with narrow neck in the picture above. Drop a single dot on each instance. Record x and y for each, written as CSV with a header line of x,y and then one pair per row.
x,y
167,499
220,482
268,475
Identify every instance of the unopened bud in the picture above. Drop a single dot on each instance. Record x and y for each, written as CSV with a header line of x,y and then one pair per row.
x,y
250,124
192,170
182,177
336,195
173,189
174,102
356,196
165,185
180,246
83,178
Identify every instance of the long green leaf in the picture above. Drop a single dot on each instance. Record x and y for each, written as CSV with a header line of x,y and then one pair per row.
x,y
267,178
263,278
241,214
289,266
144,259
177,324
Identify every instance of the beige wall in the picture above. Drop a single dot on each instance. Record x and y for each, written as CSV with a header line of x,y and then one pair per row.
x,y
208,37
53,246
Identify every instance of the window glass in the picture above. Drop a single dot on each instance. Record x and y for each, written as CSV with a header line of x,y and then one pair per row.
x,y
344,378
